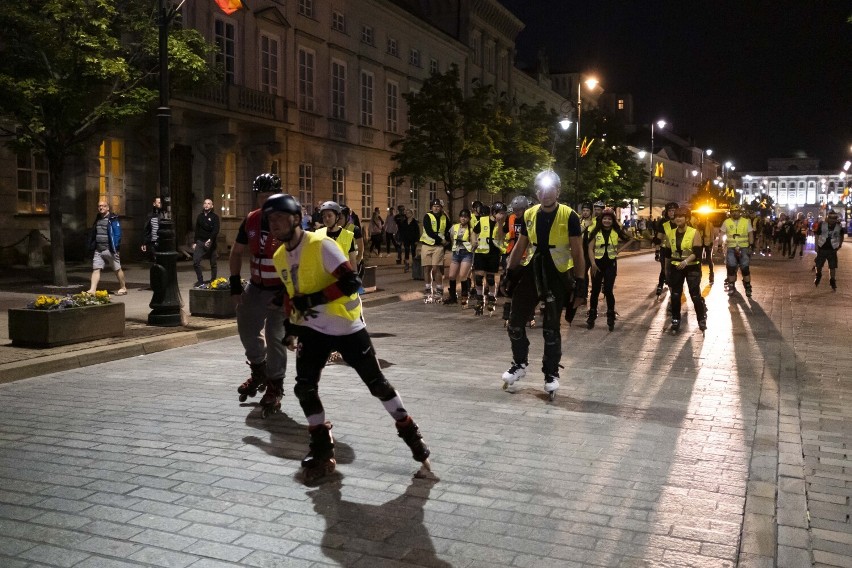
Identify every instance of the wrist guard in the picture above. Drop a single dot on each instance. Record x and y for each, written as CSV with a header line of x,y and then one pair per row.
x,y
581,290
236,285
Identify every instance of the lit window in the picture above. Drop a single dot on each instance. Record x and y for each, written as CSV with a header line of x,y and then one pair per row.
x,y
620,104
392,106
111,176
33,183
391,192
228,193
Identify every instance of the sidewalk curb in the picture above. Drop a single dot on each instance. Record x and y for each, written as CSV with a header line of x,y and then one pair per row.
x,y
26,369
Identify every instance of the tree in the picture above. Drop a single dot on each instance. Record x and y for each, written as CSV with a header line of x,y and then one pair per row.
x,y
450,138
524,146
71,69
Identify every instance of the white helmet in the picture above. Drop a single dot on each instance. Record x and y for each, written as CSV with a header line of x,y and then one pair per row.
x,y
547,185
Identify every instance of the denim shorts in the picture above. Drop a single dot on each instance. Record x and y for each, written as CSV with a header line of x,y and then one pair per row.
x,y
462,255
745,257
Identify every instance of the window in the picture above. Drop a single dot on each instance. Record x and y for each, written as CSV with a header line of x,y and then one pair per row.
x,y
306,8
367,35
414,57
338,90
228,194
433,191
33,183
504,65
306,183
338,21
391,192
366,98
306,79
620,104
269,64
433,66
366,195
338,185
111,177
476,46
225,40
393,48
393,106
489,57
414,197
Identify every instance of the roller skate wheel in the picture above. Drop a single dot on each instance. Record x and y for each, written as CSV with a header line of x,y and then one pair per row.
x,y
552,396
243,397
425,471
320,471
261,388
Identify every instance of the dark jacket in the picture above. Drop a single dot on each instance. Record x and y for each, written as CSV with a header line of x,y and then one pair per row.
x,y
113,232
151,235
409,232
207,227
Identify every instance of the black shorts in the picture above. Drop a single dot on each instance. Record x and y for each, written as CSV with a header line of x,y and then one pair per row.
x,y
487,262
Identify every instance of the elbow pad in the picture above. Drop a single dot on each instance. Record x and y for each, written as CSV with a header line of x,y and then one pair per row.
x,y
349,284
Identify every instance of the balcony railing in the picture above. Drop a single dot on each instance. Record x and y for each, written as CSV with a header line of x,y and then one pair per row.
x,y
339,130
238,98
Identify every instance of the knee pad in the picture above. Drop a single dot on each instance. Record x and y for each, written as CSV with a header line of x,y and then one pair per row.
x,y
746,270
515,333
489,279
477,280
305,390
552,337
381,388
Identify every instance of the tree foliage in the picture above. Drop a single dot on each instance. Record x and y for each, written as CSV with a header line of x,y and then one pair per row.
x,y
71,69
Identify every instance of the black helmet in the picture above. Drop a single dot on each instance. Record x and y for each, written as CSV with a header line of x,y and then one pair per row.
x,y
266,183
330,206
672,205
464,213
498,206
519,203
484,210
435,202
586,205
282,203
345,211
476,205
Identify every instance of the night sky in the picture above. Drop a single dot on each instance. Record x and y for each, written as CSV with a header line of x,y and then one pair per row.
x,y
751,80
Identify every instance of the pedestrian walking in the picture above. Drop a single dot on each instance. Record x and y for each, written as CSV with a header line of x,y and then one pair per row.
x,y
409,232
828,238
206,234
550,245
322,302
390,233
259,323
104,244
151,234
377,225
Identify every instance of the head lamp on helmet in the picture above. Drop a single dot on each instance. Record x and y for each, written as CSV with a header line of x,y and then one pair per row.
x,y
435,202
266,183
736,208
498,207
547,186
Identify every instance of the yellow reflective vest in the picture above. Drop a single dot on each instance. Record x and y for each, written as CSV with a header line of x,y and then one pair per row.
x,y
438,228
679,255
737,232
311,277
343,240
487,235
601,244
558,240
457,234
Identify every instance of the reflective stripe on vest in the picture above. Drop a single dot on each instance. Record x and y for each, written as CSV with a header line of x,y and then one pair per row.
x,y
465,237
262,246
485,229
312,277
558,240
737,232
344,239
685,244
440,230
600,242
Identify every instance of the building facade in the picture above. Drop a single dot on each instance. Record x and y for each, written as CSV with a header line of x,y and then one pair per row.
x,y
312,91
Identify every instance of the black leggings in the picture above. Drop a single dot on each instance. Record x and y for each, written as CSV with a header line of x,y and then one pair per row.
x,y
409,247
604,278
692,276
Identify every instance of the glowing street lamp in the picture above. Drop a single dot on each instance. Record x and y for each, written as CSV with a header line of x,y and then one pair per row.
x,y
591,83
659,124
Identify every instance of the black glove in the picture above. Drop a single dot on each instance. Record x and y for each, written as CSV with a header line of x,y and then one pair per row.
x,y
656,256
236,285
438,241
510,281
308,301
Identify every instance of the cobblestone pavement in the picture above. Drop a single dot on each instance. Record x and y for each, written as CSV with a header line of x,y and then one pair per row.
x,y
722,449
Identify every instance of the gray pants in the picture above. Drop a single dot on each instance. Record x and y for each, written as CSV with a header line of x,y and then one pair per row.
x,y
261,329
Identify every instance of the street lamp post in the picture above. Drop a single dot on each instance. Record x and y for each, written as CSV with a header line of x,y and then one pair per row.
x,y
591,83
661,124
165,302
709,153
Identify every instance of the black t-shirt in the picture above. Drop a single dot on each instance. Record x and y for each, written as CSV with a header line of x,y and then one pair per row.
x,y
335,234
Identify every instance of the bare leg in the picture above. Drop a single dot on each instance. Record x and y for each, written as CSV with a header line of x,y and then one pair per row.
x,y
96,277
122,283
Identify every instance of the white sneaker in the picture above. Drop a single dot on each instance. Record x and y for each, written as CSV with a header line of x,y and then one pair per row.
x,y
515,373
550,386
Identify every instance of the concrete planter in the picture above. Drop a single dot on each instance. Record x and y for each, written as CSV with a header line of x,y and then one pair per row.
x,y
211,303
50,328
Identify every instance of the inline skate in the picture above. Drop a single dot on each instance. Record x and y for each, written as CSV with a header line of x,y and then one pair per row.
x,y
255,383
